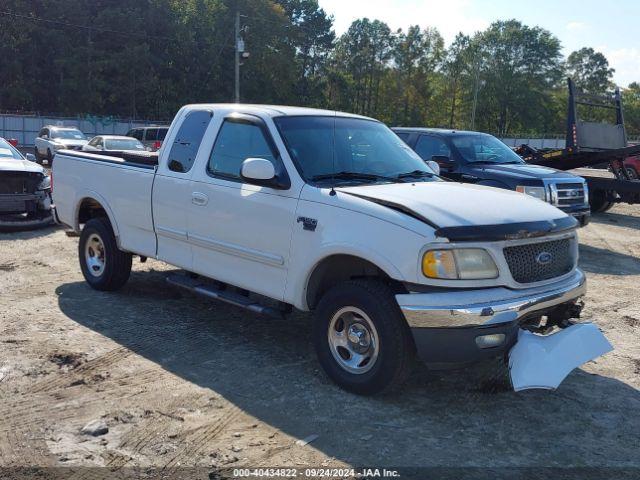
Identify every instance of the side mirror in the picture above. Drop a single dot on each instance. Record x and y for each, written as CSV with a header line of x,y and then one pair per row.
x,y
434,166
31,157
443,161
257,169
260,171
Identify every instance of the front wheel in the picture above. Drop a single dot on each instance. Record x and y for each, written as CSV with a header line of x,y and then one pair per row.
x,y
361,338
104,266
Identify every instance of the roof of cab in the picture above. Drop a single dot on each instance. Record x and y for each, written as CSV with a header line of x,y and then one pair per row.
x,y
273,110
441,131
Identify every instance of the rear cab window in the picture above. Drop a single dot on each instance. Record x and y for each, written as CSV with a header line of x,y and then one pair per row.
x,y
187,142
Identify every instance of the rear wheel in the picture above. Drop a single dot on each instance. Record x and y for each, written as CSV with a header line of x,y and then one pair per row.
x,y
633,174
104,265
361,338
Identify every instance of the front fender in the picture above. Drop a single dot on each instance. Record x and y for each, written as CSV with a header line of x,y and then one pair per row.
x,y
300,283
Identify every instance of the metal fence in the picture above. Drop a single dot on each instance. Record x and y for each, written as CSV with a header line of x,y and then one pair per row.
x,y
25,128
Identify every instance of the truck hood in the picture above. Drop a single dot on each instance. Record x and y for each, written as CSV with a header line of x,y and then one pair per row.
x,y
522,171
13,165
449,204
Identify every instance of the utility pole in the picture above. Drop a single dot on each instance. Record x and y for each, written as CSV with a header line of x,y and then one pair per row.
x,y
237,50
476,86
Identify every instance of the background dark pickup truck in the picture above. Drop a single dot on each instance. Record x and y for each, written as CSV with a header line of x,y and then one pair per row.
x,y
474,157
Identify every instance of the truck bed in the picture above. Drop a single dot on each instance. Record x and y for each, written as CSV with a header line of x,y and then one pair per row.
x,y
122,182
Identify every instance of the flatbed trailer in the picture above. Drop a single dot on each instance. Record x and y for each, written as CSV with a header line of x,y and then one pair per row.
x,y
594,144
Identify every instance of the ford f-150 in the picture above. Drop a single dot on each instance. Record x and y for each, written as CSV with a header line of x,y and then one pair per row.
x,y
273,208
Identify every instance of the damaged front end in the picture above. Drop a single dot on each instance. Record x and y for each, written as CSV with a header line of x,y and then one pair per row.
x,y
25,199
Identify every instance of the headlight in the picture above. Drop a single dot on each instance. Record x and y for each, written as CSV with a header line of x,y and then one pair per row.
x,y
45,184
459,264
538,192
585,186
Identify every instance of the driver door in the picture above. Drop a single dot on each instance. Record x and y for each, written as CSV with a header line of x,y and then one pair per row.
x,y
240,232
429,146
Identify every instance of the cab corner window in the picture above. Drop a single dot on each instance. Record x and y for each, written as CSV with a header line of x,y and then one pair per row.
x,y
237,141
187,142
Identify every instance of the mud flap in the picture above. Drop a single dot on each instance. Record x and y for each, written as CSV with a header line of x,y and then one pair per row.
x,y
538,361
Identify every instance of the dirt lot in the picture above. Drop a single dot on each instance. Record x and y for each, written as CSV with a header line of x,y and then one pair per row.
x,y
187,382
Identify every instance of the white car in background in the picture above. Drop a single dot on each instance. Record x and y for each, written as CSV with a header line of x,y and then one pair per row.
x,y
117,143
50,139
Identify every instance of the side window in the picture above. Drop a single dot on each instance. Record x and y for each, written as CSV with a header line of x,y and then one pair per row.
x,y
93,142
428,146
237,141
404,136
187,142
162,132
151,134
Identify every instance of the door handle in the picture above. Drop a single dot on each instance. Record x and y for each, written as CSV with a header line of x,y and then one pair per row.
x,y
199,199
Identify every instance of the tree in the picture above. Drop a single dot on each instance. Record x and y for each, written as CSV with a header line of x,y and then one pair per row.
x,y
590,70
458,71
520,65
631,102
312,36
416,56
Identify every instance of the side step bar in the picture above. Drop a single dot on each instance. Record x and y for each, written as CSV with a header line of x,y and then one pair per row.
x,y
196,286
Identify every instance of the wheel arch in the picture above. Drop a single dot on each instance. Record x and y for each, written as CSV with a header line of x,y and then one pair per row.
x,y
337,267
92,205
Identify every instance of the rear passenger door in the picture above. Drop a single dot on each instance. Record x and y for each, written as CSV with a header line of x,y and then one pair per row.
x,y
241,232
172,189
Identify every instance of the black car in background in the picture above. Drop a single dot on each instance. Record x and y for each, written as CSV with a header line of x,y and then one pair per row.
x,y
479,158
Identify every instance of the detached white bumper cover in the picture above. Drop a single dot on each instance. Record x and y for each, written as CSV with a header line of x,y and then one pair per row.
x,y
538,361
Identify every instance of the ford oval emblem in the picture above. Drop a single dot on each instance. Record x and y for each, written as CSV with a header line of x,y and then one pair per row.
x,y
544,258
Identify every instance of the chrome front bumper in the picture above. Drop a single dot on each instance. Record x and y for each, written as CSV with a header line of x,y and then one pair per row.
x,y
487,306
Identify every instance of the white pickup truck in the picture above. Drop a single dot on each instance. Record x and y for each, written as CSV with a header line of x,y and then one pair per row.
x,y
271,208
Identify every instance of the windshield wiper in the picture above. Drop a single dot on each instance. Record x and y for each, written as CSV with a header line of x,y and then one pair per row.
x,y
416,173
352,176
421,173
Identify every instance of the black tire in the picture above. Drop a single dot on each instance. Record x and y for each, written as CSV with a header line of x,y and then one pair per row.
x,y
49,158
598,201
116,264
633,173
37,155
396,350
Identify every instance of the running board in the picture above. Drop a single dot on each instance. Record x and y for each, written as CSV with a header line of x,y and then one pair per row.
x,y
196,286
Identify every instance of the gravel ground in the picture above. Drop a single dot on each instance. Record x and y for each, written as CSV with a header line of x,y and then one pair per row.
x,y
181,381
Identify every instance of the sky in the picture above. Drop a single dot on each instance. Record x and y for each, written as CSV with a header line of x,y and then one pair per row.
x,y
611,27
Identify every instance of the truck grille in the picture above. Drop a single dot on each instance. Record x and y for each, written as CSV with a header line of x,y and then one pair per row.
x,y
567,194
19,182
537,262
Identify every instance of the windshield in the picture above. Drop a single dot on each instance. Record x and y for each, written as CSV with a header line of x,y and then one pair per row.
x,y
323,145
8,151
68,134
484,149
123,144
